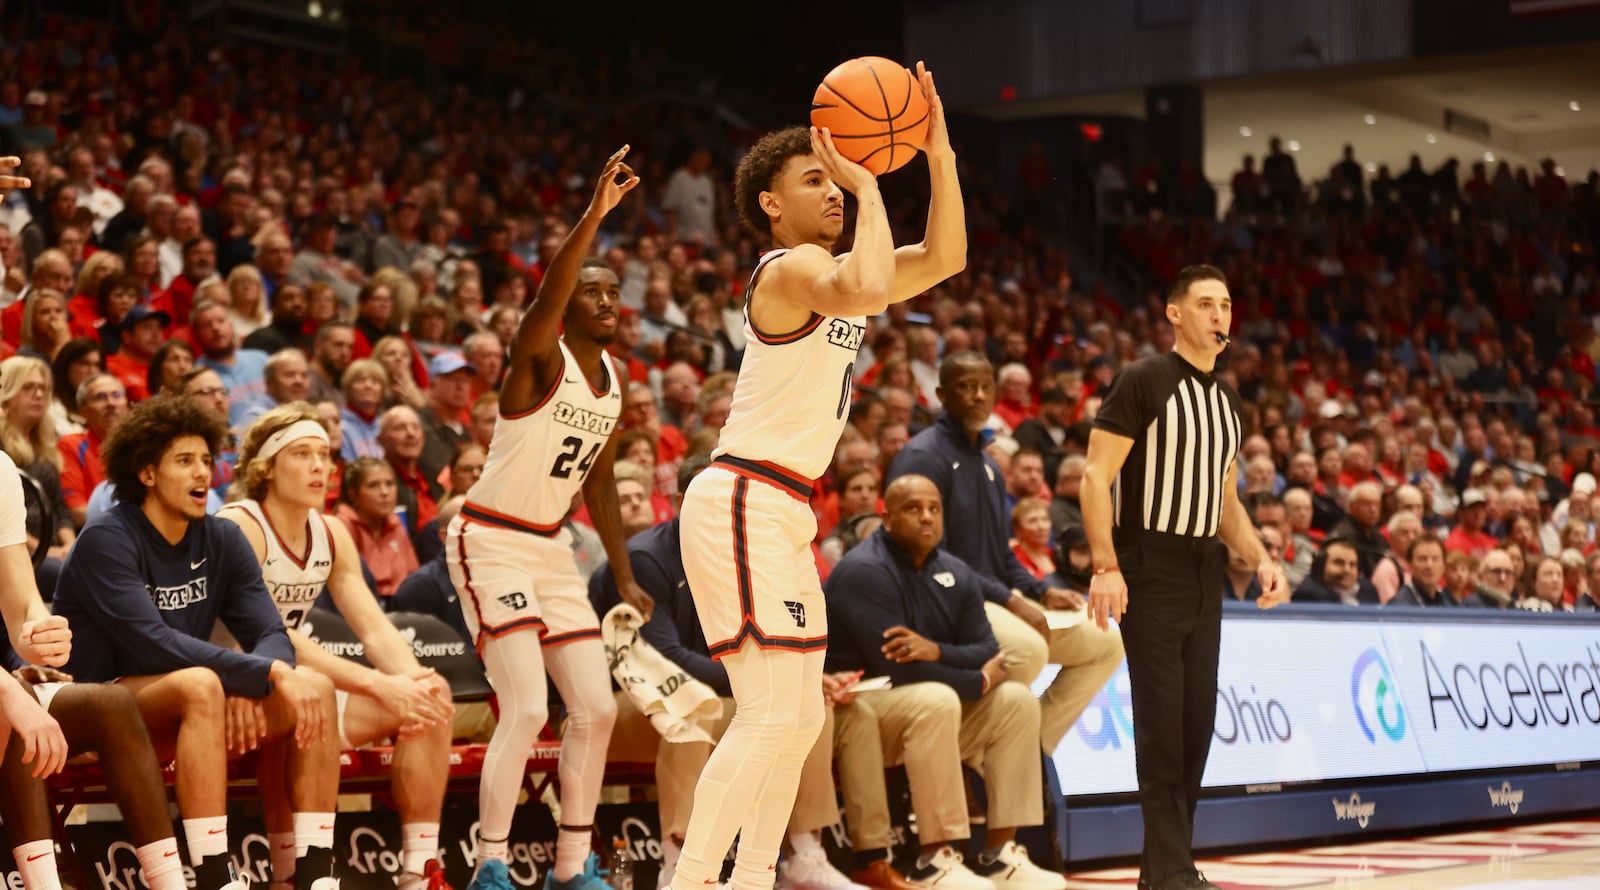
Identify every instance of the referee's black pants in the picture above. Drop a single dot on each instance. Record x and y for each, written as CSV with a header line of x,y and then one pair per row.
x,y
1173,633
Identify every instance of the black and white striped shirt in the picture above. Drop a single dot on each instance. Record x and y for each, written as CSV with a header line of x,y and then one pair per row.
x,y
1184,424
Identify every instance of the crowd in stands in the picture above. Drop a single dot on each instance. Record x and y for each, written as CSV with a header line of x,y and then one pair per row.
x,y
1416,353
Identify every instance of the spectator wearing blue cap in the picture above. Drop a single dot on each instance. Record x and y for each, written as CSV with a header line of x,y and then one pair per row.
x,y
142,334
445,417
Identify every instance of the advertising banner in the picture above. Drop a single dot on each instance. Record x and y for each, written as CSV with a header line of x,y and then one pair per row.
x,y
1313,700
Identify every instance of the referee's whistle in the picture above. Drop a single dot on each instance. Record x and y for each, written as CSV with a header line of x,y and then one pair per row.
x,y
1224,339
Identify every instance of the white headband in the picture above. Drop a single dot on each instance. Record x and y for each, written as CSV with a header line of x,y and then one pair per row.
x,y
300,429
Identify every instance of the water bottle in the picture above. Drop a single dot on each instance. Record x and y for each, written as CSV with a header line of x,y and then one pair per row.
x,y
621,866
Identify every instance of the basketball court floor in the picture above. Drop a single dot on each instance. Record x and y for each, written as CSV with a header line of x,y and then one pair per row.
x,y
1561,855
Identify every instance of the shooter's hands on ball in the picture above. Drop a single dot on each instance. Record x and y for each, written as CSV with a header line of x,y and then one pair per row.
x,y
1108,598
609,190
845,173
902,645
937,142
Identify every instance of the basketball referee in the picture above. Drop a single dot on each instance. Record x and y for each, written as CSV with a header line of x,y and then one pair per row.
x,y
1159,500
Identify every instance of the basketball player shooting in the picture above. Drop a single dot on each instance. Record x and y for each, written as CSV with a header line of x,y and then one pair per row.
x,y
511,559
747,525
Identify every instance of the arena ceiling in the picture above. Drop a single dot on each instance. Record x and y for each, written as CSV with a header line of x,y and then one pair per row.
x,y
1518,106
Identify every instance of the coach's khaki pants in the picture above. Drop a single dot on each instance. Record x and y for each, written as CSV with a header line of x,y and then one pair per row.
x,y
932,732
635,740
1088,656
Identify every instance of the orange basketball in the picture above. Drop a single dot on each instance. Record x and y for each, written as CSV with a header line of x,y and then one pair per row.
x,y
875,110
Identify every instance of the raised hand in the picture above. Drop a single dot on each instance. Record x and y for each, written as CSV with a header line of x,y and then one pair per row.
x,y
938,138
608,191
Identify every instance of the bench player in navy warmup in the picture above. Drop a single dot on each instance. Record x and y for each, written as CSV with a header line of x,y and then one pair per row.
x,y
143,588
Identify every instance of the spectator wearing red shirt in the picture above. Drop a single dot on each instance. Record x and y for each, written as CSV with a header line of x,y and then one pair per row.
x,y
400,434
1014,397
141,330
103,402
368,512
1468,536
199,266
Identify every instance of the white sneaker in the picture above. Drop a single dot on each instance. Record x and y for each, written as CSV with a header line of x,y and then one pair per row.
x,y
945,872
670,851
325,884
1013,870
811,870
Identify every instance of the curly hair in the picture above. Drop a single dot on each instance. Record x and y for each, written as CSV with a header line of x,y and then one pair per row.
x,y
142,438
250,475
760,168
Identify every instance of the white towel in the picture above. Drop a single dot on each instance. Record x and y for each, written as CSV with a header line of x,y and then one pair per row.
x,y
680,707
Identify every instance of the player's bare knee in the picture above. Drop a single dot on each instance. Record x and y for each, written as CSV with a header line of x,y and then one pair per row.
x,y
199,690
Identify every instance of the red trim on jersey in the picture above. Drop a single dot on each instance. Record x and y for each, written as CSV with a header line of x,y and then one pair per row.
x,y
333,546
785,339
573,637
501,630
748,628
560,371
299,561
611,377
472,595
501,520
785,480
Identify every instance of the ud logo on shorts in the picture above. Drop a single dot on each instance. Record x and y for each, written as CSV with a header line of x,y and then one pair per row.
x,y
516,601
797,611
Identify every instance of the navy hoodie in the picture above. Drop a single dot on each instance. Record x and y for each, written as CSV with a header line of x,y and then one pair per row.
x,y
139,605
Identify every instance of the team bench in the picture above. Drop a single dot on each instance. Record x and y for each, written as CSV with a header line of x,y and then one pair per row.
x,y
366,771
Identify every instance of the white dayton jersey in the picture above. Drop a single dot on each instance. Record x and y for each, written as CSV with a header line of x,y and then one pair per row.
x,y
793,394
294,580
539,458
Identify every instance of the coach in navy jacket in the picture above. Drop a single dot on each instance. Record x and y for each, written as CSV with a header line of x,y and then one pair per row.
x,y
878,586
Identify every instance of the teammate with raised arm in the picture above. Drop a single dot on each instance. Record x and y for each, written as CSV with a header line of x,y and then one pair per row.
x,y
283,471
747,526
510,557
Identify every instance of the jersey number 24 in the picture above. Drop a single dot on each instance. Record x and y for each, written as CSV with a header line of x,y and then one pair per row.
x,y
563,464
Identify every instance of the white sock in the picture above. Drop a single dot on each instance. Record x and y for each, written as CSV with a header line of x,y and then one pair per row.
x,y
283,856
162,868
419,842
36,861
312,830
805,842
488,849
206,837
572,851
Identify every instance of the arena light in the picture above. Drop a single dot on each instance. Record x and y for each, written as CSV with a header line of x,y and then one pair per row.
x,y
1294,145
1432,139
1574,106
1245,132
1370,119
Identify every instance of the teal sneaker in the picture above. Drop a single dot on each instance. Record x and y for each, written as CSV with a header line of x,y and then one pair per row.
x,y
491,875
591,878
